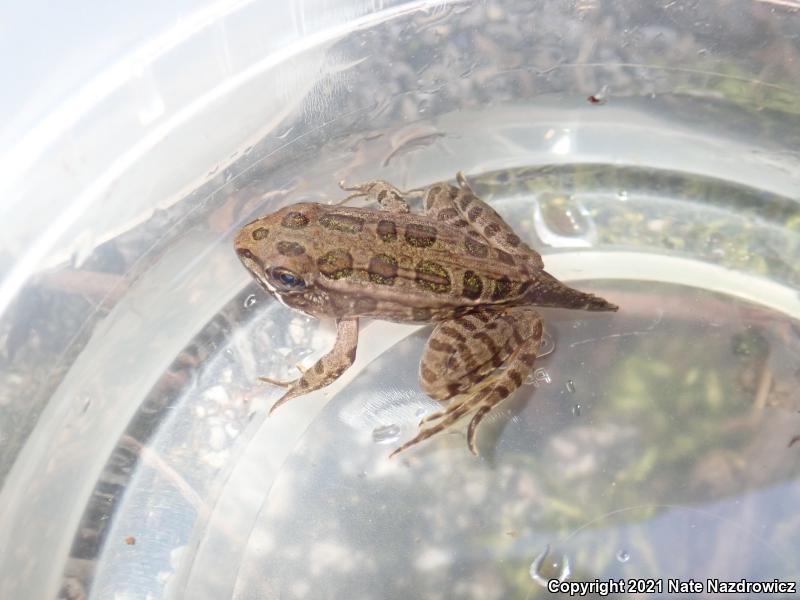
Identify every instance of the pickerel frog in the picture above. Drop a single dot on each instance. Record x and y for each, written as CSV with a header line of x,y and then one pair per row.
x,y
458,265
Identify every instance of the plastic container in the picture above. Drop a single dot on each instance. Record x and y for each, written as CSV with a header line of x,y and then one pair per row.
x,y
649,151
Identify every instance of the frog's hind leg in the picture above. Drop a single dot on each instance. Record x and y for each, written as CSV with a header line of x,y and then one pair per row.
x,y
438,204
328,368
461,364
462,352
485,220
519,367
459,207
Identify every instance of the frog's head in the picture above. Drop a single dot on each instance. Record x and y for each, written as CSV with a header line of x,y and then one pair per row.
x,y
277,250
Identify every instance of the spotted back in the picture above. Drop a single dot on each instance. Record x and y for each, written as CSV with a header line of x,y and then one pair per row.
x,y
355,261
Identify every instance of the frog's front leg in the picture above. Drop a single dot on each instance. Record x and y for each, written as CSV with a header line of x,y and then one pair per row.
x,y
384,193
328,368
462,361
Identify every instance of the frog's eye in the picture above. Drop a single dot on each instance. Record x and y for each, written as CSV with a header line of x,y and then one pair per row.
x,y
286,279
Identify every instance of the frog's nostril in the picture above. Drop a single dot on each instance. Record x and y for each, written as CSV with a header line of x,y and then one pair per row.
x,y
244,253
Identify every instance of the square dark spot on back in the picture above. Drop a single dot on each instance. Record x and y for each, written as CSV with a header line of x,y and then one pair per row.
x,y
382,269
420,236
294,220
433,276
472,286
342,222
387,230
290,248
475,248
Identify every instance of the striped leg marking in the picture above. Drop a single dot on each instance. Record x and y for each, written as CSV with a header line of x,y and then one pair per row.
x,y
485,220
475,384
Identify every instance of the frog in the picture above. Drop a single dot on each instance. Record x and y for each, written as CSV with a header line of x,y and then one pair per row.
x,y
456,265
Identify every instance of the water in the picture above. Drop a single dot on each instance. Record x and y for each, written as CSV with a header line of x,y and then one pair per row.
x,y
663,429
549,565
689,392
538,377
686,399
386,434
667,431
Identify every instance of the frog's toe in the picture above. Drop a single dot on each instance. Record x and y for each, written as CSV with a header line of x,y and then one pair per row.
x,y
434,416
473,428
448,417
282,400
424,434
296,388
277,382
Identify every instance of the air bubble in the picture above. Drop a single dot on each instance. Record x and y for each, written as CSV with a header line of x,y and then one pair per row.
x,y
622,195
543,568
386,434
546,346
576,410
250,301
570,385
538,377
562,221
623,556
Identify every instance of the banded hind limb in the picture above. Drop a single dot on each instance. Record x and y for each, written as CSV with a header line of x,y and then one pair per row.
x,y
462,365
